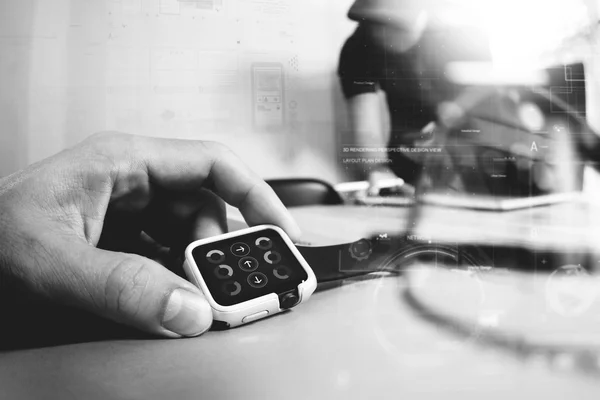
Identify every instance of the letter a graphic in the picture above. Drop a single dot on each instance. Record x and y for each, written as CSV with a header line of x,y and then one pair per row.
x,y
534,147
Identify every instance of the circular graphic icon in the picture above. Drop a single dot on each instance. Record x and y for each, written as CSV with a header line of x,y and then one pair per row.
x,y
257,280
282,272
264,243
215,256
570,291
272,257
248,264
361,250
232,288
240,249
426,286
224,271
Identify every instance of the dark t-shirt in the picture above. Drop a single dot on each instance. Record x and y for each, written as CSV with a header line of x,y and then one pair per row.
x,y
414,80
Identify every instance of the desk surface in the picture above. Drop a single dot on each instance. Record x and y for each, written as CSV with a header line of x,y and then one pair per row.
x,y
360,340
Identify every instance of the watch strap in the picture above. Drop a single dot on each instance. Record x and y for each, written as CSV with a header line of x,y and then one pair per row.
x,y
381,253
337,262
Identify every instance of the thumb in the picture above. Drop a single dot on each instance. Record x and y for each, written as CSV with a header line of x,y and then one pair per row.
x,y
135,291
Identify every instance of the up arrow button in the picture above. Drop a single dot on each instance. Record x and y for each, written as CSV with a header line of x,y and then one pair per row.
x,y
248,264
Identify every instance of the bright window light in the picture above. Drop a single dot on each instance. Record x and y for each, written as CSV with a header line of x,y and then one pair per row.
x,y
522,31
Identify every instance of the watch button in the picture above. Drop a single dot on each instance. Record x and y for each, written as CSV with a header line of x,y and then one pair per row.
x,y
224,271
272,257
264,243
282,272
232,288
248,264
257,280
215,256
254,317
240,249
288,301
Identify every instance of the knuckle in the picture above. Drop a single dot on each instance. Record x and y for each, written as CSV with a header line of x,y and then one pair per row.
x,y
107,153
108,143
106,136
216,149
127,284
97,169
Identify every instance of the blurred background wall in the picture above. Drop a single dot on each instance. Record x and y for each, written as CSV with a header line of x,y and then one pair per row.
x,y
197,69
174,68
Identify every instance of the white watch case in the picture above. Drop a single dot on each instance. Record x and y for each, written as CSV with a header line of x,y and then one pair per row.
x,y
254,309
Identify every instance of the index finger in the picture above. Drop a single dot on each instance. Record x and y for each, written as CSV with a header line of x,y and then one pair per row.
x,y
188,165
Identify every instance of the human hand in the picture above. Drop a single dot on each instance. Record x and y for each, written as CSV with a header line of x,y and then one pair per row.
x,y
387,179
78,228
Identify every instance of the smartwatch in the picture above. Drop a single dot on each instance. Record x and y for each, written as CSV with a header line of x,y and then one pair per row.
x,y
249,274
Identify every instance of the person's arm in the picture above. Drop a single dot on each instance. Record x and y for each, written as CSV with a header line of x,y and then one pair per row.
x,y
366,113
358,74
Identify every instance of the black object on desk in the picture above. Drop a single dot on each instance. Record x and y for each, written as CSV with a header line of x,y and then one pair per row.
x,y
305,192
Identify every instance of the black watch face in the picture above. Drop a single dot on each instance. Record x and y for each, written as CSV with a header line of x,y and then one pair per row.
x,y
249,266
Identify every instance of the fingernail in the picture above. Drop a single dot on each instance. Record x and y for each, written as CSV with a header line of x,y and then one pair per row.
x,y
187,313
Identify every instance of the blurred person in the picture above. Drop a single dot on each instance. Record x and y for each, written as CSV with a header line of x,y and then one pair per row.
x,y
401,49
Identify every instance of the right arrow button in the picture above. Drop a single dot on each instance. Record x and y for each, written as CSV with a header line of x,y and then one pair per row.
x,y
240,249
